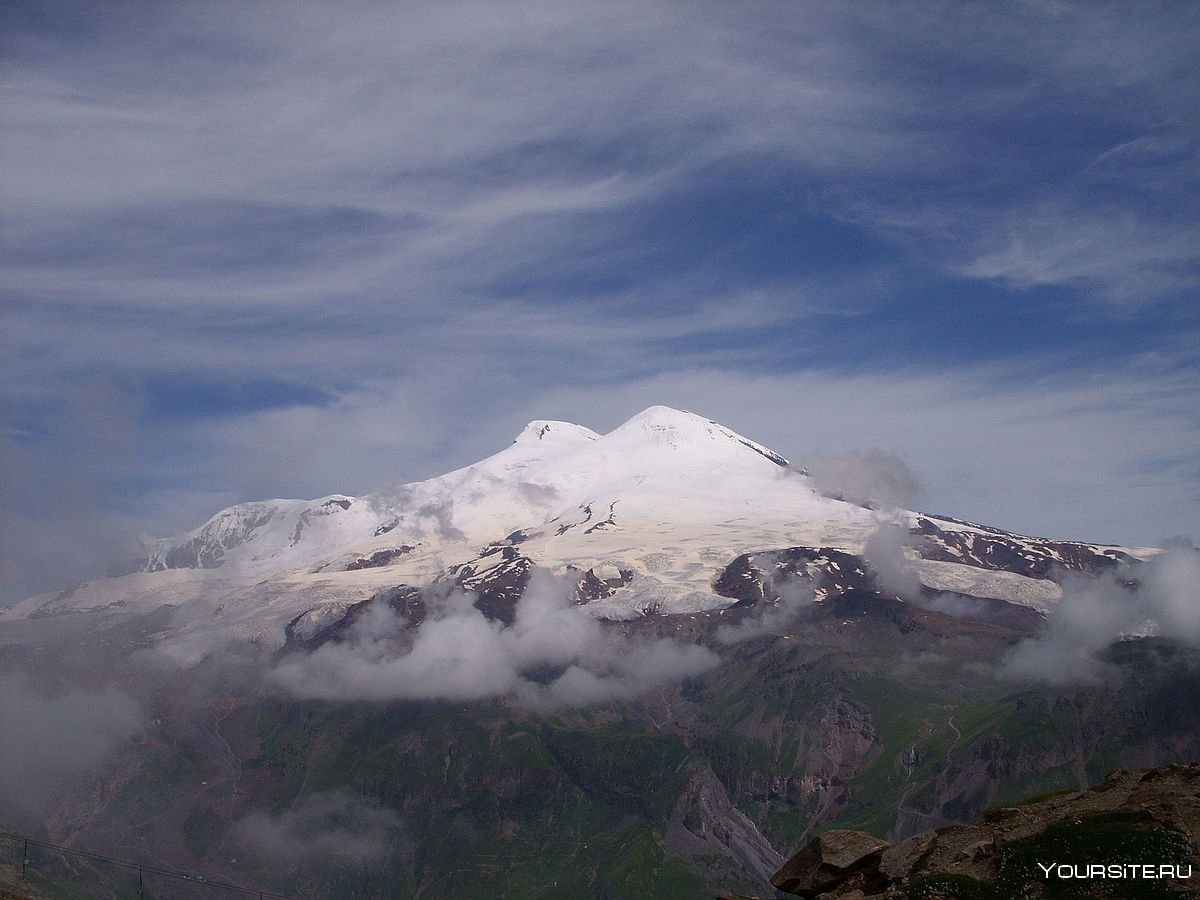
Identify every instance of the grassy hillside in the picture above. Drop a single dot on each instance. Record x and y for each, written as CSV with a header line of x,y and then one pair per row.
x,y
868,722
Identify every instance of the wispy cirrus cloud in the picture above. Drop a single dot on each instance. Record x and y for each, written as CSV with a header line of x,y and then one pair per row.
x,y
399,140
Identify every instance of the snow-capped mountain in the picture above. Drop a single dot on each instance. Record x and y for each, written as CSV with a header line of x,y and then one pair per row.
x,y
668,513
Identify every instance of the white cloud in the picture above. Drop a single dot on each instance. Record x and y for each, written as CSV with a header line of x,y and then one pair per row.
x,y
1095,612
49,739
1119,254
460,125
865,476
458,654
334,827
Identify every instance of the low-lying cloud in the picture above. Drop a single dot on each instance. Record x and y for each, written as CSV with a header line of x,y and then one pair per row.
x,y
869,477
424,512
1161,596
889,551
886,551
421,514
538,494
795,597
331,826
1096,612
48,740
553,654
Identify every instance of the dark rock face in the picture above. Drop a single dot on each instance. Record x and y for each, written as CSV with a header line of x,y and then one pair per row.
x,y
586,509
899,860
380,558
741,581
497,585
705,824
592,587
830,860
386,527
1032,557
610,522
754,577
406,602
848,587
795,733
860,604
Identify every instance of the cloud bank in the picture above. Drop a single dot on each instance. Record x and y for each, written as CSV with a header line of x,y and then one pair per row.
x,y
552,655
875,477
1158,597
334,827
795,598
1096,612
49,740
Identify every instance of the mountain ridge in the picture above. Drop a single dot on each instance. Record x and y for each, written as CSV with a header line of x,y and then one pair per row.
x,y
653,660
669,499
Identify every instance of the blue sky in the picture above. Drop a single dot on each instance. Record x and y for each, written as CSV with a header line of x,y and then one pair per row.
x,y
283,249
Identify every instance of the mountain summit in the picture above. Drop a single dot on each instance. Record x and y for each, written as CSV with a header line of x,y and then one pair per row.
x,y
670,512
555,434
654,467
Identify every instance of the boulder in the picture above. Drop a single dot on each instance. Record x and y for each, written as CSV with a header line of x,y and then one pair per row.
x,y
898,861
830,860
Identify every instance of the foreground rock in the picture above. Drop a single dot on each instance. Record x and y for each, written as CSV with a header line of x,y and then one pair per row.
x,y
1133,819
833,859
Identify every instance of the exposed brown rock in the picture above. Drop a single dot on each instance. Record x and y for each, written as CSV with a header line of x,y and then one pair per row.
x,y
898,861
706,825
380,558
830,860
1168,796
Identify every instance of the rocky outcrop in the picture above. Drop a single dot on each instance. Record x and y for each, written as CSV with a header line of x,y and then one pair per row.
x,y
831,860
600,582
705,826
497,576
756,577
1004,552
380,558
1130,820
311,630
